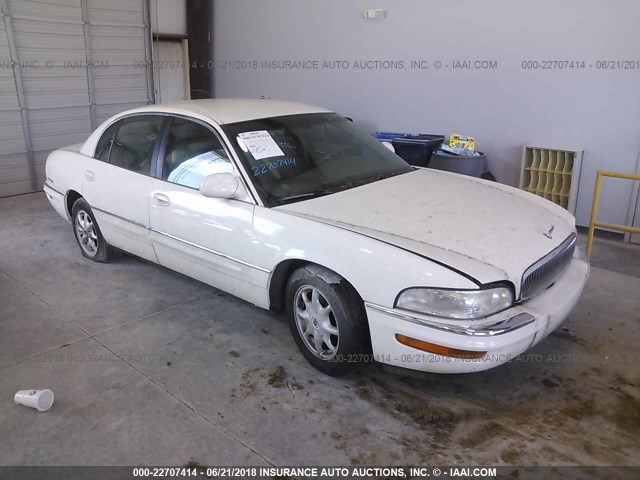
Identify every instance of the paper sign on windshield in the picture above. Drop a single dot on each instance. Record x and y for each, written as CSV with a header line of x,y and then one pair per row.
x,y
261,144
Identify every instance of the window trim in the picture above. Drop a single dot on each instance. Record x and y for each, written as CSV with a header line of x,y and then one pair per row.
x,y
211,125
158,173
119,119
154,152
156,144
95,152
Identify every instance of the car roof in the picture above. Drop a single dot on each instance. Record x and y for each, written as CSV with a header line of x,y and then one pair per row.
x,y
232,110
219,110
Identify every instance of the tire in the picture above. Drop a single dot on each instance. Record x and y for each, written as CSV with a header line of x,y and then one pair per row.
x,y
88,235
327,320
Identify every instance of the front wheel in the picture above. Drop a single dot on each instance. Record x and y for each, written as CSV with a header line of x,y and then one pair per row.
x,y
327,320
85,228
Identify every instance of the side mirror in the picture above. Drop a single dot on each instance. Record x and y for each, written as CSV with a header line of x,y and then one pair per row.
x,y
221,185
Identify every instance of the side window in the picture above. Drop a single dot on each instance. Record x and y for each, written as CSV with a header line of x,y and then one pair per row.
x,y
133,146
104,145
192,153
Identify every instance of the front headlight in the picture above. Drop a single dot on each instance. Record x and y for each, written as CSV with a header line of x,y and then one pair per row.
x,y
456,304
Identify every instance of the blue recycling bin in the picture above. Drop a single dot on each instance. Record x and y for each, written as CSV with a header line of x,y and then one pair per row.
x,y
387,136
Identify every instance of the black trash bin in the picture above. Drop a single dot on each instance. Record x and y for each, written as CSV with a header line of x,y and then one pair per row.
x,y
471,165
416,150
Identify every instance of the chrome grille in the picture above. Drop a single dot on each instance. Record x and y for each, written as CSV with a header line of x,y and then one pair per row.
x,y
546,270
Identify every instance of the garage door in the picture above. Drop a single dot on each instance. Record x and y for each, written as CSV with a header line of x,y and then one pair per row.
x,y
67,65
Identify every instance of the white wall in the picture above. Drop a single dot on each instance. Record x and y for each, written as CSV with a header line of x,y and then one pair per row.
x,y
594,110
168,16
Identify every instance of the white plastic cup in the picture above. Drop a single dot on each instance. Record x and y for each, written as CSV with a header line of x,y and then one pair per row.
x,y
39,399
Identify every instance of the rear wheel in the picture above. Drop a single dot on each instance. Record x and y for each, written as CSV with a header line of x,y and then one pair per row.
x,y
85,228
327,320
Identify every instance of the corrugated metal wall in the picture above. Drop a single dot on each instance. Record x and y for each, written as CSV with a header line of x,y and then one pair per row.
x,y
14,166
75,63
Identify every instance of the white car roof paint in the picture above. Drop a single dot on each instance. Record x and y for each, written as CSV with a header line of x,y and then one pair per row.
x,y
220,110
232,110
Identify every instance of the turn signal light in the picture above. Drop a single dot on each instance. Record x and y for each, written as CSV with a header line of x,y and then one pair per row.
x,y
438,349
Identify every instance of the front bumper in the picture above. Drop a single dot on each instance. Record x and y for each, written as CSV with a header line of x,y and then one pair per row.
x,y
503,336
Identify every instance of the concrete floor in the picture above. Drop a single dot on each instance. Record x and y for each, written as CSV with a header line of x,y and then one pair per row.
x,y
150,367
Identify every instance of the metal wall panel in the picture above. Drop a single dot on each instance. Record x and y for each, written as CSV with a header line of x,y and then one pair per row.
x,y
50,10
55,88
116,12
120,85
11,139
62,126
79,62
14,166
104,112
119,34
8,94
49,39
117,44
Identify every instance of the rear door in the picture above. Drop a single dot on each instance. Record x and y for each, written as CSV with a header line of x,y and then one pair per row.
x,y
117,183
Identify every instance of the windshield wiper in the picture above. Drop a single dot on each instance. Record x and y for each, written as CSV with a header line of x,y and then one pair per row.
x,y
298,196
344,186
315,193
366,180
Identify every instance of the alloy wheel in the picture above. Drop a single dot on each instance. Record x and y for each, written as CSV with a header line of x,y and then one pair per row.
x,y
86,231
316,322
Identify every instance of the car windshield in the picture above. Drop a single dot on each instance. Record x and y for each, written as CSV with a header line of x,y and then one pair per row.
x,y
298,157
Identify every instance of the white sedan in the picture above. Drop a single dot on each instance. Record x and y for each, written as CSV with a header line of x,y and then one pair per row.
x,y
292,208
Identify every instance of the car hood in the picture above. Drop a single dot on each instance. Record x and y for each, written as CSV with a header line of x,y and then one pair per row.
x,y
486,230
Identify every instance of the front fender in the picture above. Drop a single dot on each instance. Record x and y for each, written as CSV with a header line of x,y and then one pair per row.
x,y
377,270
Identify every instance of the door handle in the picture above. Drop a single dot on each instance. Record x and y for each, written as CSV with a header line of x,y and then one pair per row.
x,y
161,199
89,175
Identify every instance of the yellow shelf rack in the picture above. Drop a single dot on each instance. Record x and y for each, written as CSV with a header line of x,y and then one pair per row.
x,y
553,174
